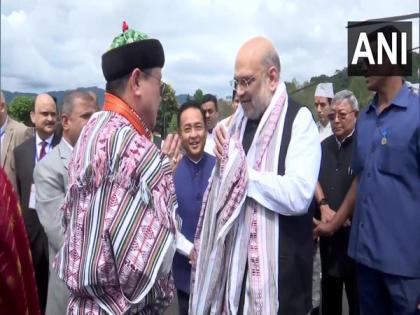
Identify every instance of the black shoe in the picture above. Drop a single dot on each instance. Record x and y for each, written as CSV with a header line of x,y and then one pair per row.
x,y
315,311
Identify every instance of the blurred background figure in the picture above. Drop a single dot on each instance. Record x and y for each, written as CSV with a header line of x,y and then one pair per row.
x,y
12,134
18,292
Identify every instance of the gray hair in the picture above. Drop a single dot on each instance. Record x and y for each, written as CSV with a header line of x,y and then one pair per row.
x,y
271,58
70,97
346,95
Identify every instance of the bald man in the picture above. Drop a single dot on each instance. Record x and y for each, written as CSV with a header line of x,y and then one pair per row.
x,y
254,245
43,116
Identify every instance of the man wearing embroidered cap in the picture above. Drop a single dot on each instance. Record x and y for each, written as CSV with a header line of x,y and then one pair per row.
x,y
324,93
119,210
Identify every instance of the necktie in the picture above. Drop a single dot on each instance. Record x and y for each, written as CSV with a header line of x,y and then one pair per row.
x,y
43,151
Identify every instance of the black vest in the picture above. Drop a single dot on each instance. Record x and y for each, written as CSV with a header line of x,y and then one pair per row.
x,y
295,243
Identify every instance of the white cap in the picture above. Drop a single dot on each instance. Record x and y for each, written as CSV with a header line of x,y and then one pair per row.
x,y
325,90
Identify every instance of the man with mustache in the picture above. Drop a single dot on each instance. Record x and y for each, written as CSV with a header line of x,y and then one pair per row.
x,y
30,152
51,181
211,111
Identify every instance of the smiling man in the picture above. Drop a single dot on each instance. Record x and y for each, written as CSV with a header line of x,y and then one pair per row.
x,y
255,237
191,180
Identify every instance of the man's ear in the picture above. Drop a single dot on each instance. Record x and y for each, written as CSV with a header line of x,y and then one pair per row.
x,y
33,117
273,77
65,122
134,81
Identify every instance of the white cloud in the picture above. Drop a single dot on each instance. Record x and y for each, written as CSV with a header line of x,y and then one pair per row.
x,y
51,45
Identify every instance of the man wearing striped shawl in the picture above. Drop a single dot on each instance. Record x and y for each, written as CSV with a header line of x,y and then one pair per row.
x,y
119,210
254,238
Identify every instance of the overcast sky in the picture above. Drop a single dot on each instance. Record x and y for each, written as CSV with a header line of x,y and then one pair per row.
x,y
56,45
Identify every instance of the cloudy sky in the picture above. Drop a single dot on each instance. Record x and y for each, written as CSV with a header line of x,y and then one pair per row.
x,y
55,45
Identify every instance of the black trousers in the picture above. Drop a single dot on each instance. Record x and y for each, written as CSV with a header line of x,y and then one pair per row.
x,y
332,294
183,302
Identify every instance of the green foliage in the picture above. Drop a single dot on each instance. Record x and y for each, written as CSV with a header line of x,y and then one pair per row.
x,y
341,81
167,111
225,108
173,124
415,77
198,96
20,109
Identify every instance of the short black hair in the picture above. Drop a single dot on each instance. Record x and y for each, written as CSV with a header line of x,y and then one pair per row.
x,y
188,105
210,98
117,86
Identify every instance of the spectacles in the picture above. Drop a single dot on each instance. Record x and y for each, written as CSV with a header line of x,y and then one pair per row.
x,y
341,115
244,83
162,84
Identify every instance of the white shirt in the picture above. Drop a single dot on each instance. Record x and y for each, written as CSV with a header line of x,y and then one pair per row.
x,y
38,142
3,131
210,143
324,132
292,193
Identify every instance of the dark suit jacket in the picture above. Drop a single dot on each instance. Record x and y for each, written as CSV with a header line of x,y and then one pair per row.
x,y
25,164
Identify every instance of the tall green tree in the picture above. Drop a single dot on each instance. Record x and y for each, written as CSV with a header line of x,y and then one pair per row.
x,y
20,109
198,96
168,108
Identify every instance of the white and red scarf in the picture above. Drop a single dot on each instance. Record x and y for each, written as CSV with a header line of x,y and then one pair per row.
x,y
236,234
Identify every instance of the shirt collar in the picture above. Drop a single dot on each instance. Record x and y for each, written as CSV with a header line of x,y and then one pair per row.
x,y
39,140
68,144
400,100
3,127
340,143
195,162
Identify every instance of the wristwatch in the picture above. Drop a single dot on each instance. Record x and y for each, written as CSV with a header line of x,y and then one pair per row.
x,y
323,202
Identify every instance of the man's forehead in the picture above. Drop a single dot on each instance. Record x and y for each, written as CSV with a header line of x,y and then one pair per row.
x,y
208,105
42,107
81,105
321,100
343,104
191,116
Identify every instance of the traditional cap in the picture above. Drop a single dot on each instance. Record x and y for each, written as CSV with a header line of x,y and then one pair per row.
x,y
325,90
130,50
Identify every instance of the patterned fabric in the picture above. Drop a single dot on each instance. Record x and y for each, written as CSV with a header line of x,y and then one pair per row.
x,y
119,214
18,293
229,223
128,36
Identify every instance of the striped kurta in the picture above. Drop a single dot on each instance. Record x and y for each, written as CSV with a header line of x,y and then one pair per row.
x,y
119,216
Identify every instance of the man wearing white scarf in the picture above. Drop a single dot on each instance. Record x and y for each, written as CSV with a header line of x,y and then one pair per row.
x,y
251,257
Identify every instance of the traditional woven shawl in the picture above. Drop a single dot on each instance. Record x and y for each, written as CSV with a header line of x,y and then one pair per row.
x,y
235,231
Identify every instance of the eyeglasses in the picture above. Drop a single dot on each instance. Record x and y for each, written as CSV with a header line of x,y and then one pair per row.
x,y
162,84
243,83
341,115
